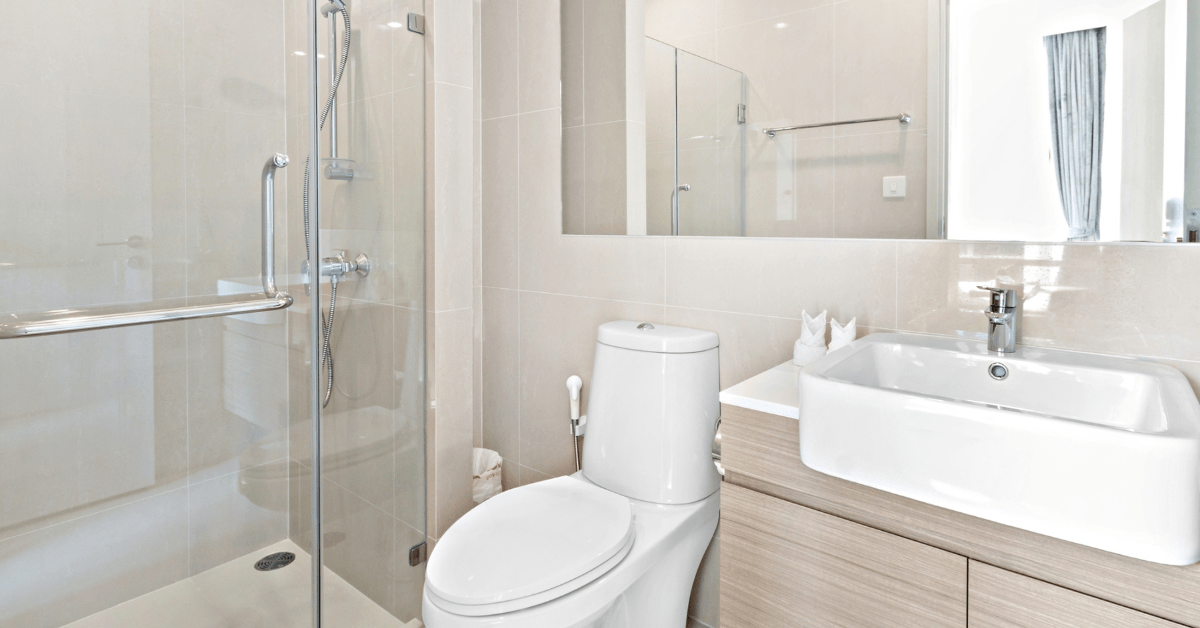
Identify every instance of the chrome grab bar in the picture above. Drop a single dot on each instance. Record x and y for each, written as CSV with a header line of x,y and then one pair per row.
x,y
903,118
128,314
277,161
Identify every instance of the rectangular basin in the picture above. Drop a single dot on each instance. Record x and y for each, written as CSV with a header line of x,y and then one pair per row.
x,y
1098,450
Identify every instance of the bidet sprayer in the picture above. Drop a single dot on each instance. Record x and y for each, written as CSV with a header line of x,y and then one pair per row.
x,y
574,385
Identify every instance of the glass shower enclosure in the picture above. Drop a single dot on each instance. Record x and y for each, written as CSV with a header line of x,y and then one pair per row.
x,y
695,144
212,384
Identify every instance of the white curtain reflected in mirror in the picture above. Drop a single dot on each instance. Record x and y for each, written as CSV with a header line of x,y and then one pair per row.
x,y
1105,160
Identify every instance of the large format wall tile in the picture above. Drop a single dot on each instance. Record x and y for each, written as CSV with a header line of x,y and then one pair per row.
x,y
673,21
235,514
500,201
358,427
539,53
225,157
1127,299
750,344
501,378
881,48
453,346
860,164
453,198
604,61
244,78
453,36
546,364
360,543
114,555
737,12
500,58
237,395
775,277
71,46
789,70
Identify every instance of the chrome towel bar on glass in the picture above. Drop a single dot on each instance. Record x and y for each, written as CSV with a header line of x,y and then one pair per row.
x,y
903,118
127,314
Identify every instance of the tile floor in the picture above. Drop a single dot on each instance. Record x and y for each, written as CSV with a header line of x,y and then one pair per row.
x,y
236,595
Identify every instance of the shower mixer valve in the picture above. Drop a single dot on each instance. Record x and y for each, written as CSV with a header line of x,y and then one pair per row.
x,y
336,267
340,265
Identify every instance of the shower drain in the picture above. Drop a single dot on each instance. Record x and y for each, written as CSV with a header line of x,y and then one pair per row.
x,y
275,561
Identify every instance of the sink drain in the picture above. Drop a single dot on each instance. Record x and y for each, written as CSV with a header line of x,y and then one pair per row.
x,y
998,370
275,561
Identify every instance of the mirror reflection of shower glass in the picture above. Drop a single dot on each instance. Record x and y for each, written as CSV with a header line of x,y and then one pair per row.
x,y
665,155
1026,120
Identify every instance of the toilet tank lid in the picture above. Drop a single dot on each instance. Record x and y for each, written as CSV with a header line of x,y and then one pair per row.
x,y
641,336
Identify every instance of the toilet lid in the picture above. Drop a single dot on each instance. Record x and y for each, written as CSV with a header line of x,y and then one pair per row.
x,y
529,540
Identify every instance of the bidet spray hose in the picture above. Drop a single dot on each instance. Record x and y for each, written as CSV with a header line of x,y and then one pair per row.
x,y
574,385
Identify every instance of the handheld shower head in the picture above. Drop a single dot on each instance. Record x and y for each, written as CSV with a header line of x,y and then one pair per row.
x,y
333,6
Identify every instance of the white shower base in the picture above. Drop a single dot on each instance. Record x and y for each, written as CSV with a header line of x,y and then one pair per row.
x,y
235,594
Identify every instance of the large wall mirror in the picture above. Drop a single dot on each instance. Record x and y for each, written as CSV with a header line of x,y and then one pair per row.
x,y
1022,120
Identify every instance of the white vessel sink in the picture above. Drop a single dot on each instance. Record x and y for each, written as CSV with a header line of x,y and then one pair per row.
x,y
1098,450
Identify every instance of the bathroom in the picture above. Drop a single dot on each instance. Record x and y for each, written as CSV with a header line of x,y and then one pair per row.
x,y
196,433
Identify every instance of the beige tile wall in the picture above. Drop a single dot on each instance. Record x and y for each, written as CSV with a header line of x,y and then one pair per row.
x,y
604,114
544,293
451,150
809,62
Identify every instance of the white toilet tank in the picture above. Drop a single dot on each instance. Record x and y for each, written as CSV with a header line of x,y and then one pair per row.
x,y
652,412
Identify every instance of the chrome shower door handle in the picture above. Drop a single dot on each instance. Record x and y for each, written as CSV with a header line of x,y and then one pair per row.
x,y
277,161
686,187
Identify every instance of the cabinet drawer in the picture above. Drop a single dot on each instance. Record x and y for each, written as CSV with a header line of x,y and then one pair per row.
x,y
1002,599
787,565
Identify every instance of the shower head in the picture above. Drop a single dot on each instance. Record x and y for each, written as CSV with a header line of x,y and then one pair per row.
x,y
333,7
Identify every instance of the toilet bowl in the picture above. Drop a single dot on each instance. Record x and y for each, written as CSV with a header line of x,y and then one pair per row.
x,y
616,545
648,583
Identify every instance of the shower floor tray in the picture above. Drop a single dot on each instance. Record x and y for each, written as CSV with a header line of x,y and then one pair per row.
x,y
235,594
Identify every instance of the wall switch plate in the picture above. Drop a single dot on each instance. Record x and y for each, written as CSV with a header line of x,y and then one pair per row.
x,y
894,187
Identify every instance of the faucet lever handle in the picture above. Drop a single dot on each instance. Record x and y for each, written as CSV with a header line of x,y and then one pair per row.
x,y
1002,298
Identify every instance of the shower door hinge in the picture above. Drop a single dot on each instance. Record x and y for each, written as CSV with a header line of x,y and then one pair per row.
x,y
416,23
418,554
741,114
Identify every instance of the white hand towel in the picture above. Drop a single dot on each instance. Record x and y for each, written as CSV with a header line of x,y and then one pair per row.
x,y
841,337
811,345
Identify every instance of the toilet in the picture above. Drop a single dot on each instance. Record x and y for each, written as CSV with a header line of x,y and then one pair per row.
x,y
617,544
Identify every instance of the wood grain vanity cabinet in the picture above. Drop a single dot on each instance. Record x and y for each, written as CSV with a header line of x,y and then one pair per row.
x,y
1002,599
800,548
787,565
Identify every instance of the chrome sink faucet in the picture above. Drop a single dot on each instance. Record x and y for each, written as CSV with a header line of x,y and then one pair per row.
x,y
1002,320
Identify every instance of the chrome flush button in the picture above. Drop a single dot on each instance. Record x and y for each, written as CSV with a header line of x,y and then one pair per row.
x,y
998,371
645,326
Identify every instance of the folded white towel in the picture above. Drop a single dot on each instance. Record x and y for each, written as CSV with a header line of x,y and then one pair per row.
x,y
841,337
811,345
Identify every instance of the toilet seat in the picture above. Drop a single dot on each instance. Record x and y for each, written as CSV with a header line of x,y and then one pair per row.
x,y
528,546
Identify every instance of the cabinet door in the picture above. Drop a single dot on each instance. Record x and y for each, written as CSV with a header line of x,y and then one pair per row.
x,y
1002,599
786,565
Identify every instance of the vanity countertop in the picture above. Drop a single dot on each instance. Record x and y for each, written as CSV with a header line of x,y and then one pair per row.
x,y
775,391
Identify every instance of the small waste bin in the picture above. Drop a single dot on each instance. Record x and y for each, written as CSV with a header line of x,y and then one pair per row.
x,y
486,469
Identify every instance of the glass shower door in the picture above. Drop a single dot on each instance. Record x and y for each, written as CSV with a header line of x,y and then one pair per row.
x,y
143,469
372,430
711,145
161,474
